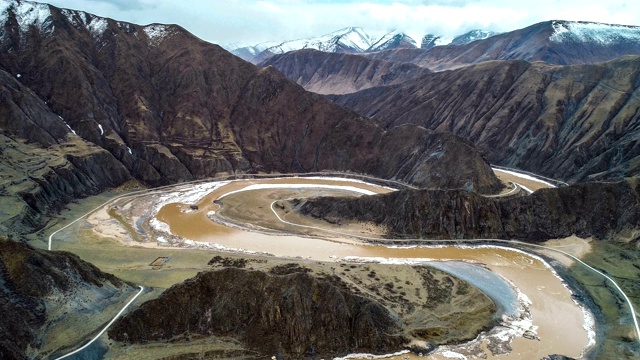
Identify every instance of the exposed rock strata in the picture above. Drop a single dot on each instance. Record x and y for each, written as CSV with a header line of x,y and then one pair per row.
x,y
33,283
601,210
574,123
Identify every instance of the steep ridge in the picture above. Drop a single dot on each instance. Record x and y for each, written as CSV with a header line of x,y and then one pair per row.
x,y
546,214
554,42
170,107
569,122
43,164
35,288
330,73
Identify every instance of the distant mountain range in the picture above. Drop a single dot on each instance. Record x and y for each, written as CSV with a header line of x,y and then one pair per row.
x,y
554,42
352,40
556,98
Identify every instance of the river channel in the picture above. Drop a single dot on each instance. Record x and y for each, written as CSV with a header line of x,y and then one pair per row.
x,y
527,288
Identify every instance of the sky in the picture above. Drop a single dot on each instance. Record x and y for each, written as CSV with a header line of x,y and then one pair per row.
x,y
249,22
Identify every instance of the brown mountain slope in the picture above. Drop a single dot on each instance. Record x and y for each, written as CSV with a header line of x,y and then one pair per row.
x,y
554,42
332,73
170,107
571,122
602,210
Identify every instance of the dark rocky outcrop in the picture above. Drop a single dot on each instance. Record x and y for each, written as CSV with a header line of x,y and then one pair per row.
x,y
293,315
331,73
601,210
29,280
575,123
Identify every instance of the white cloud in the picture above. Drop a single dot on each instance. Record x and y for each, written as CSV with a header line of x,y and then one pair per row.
x,y
253,21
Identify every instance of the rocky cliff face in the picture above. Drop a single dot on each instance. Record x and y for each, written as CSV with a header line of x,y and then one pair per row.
x,y
571,122
33,283
602,210
554,42
293,315
157,104
331,73
43,164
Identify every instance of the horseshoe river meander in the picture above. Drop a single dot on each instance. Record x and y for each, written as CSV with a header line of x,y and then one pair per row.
x,y
539,314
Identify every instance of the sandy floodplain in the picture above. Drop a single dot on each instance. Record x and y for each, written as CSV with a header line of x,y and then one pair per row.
x,y
547,313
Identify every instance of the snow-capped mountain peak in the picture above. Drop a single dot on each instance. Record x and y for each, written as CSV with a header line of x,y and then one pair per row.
x,y
472,36
393,40
606,34
351,39
32,14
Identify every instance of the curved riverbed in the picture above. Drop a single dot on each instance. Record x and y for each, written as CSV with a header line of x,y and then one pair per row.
x,y
544,306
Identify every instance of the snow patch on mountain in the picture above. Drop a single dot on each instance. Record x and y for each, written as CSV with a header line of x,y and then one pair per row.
x,y
156,32
431,40
472,36
97,25
605,34
443,40
27,14
94,24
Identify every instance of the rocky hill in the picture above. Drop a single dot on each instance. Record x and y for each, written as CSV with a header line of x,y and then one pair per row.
x,y
570,122
331,73
40,288
157,104
292,312
546,214
554,42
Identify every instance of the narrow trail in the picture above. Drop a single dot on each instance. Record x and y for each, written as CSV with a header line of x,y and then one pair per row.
x,y
105,328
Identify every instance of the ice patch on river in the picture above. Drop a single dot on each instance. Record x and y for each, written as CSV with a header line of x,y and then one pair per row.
x,y
525,176
371,356
160,226
300,186
187,194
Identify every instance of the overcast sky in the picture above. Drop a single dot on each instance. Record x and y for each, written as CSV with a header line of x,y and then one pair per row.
x,y
248,22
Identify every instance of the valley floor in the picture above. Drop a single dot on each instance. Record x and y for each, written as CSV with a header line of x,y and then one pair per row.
x,y
108,242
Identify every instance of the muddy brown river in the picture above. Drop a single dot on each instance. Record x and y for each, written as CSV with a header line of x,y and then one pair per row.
x,y
560,324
